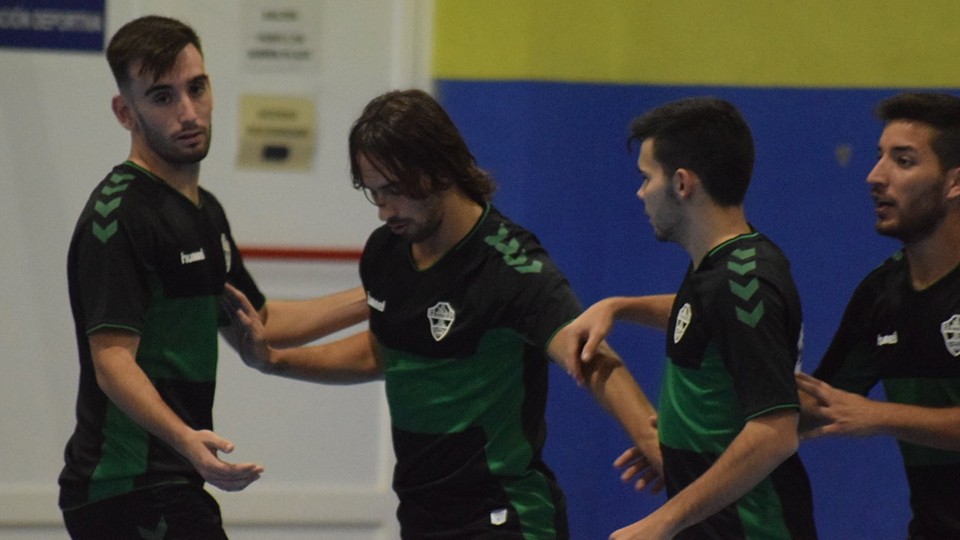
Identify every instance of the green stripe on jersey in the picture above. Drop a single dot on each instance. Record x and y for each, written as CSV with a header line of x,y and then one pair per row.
x,y
182,332
123,456
449,395
698,407
761,512
925,392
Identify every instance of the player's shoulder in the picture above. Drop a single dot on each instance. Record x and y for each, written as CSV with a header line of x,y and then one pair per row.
x,y
748,254
744,267
891,272
127,184
510,246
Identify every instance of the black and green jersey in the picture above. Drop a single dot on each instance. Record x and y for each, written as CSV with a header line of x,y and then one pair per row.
x,y
732,347
909,340
145,259
466,377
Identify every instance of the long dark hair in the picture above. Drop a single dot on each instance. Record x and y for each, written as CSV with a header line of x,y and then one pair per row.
x,y
409,138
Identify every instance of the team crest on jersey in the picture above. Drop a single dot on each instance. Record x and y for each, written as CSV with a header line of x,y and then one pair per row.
x,y
683,321
950,329
441,318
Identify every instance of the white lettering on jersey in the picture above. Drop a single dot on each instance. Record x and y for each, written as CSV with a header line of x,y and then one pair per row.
x,y
441,318
889,339
187,258
950,329
683,321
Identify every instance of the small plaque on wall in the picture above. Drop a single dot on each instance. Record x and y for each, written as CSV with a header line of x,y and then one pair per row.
x,y
276,132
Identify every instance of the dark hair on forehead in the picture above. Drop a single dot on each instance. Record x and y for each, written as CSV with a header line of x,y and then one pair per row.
x,y
154,41
937,110
408,136
706,135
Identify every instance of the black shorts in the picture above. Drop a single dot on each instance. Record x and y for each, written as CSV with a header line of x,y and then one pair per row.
x,y
169,511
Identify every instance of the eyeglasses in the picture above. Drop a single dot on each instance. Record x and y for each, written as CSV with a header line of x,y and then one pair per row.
x,y
379,196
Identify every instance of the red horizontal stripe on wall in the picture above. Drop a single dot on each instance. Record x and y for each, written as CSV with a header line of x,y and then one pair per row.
x,y
300,253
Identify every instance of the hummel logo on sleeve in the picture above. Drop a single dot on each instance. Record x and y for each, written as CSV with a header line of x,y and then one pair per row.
x,y
889,339
196,256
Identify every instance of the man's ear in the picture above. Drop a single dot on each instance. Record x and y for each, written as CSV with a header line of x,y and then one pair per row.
x,y
123,112
953,184
685,183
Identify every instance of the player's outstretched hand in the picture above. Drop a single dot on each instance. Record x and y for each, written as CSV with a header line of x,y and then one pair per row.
x,y
638,468
837,412
578,341
645,469
202,448
247,330
592,327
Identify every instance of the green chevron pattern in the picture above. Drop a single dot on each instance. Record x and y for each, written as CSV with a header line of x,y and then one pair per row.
x,y
749,313
108,204
515,257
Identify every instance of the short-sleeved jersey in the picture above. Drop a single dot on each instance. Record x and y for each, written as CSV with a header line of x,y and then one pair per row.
x,y
909,340
464,344
145,259
732,348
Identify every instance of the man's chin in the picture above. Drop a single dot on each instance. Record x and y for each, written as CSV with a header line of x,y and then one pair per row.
x,y
190,158
891,231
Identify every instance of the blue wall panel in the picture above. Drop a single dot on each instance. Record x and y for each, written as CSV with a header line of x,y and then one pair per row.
x,y
559,153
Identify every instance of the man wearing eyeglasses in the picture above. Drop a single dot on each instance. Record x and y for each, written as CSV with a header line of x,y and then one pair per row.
x,y
465,309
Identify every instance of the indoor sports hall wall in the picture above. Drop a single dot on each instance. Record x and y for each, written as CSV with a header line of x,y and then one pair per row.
x,y
326,450
544,92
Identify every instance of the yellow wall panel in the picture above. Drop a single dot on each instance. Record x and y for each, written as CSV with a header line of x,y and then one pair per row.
x,y
842,43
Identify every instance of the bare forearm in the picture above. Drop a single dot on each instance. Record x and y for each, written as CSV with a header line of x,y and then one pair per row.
x,y
652,311
759,448
615,389
925,426
344,361
841,413
139,400
296,322
129,388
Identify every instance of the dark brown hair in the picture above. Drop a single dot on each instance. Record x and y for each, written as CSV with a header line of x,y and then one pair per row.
x,y
706,135
410,138
939,111
153,41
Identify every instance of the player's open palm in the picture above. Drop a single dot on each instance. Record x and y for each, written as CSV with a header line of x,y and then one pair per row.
x,y
202,450
247,333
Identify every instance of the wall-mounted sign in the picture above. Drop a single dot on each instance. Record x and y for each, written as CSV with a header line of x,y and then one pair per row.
x,y
76,25
276,132
280,34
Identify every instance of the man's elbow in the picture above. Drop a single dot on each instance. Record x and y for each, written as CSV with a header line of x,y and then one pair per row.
x,y
781,434
788,435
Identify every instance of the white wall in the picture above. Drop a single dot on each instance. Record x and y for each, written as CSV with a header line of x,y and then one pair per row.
x,y
325,449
